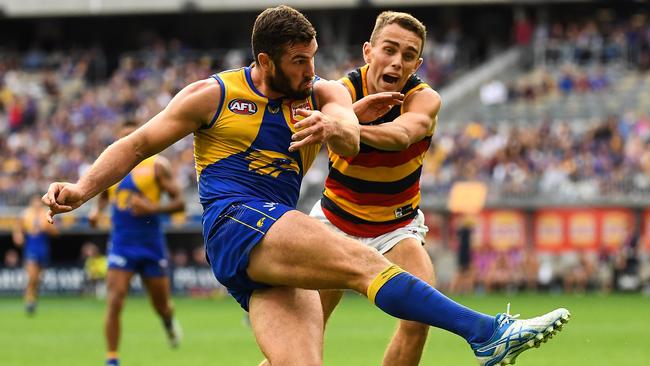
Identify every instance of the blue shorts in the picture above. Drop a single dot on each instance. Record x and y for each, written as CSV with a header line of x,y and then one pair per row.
x,y
37,253
147,259
230,234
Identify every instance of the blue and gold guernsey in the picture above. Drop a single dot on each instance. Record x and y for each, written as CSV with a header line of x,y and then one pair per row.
x,y
137,242
37,241
247,176
243,153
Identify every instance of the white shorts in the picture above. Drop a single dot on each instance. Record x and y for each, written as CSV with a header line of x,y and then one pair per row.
x,y
416,229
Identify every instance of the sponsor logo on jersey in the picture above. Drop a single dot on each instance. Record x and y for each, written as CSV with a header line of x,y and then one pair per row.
x,y
300,104
242,106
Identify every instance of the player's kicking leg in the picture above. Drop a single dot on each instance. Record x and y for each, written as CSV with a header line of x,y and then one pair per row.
x,y
406,346
160,296
117,286
288,326
298,251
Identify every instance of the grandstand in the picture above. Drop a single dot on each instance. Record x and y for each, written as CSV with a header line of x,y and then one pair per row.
x,y
545,105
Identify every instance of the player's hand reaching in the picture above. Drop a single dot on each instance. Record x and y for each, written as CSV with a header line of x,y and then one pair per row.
x,y
373,106
315,128
62,197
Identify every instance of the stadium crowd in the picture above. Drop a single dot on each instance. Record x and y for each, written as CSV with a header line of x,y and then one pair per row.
x,y
612,157
58,110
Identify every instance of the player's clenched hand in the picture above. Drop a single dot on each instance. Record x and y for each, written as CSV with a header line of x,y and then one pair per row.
x,y
60,198
315,128
373,106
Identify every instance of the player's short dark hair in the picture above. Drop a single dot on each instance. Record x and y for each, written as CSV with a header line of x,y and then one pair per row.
x,y
404,20
276,28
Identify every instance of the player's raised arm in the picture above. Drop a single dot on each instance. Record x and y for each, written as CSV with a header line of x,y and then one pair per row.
x,y
335,124
191,108
418,119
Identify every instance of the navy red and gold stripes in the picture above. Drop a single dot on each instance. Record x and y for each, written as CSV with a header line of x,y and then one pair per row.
x,y
376,191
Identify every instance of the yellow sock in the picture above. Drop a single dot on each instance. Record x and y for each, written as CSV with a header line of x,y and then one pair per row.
x,y
111,354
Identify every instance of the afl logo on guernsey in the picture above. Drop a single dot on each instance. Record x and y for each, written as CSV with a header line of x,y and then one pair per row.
x,y
242,106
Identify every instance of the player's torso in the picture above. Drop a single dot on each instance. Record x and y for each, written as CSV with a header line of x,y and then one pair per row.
x,y
377,190
243,153
33,223
140,182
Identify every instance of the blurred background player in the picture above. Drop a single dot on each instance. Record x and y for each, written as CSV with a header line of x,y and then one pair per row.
x,y
95,266
32,231
137,242
465,277
374,197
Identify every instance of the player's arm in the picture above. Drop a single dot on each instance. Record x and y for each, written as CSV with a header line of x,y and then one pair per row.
x,y
141,206
96,211
17,234
191,108
335,123
169,185
419,117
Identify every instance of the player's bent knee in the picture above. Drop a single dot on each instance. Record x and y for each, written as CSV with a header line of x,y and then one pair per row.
x,y
365,264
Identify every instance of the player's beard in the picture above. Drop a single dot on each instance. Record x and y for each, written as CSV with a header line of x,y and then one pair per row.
x,y
281,83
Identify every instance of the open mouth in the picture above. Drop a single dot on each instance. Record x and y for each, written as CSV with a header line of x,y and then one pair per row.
x,y
389,79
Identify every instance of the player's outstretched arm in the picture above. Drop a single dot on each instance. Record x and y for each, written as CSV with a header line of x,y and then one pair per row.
x,y
191,108
335,123
419,118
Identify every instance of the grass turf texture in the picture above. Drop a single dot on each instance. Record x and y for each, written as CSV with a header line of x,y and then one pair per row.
x,y
604,330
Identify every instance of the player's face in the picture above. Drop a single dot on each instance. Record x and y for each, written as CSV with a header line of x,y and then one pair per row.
x,y
393,58
293,76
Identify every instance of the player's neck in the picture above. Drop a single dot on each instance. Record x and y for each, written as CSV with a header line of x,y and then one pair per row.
x,y
257,76
370,87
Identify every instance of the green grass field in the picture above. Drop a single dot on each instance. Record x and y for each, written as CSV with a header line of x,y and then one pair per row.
x,y
612,330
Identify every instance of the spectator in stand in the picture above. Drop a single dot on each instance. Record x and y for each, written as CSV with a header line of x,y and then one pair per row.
x,y
11,259
198,256
529,269
500,275
580,274
465,276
